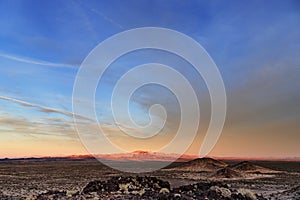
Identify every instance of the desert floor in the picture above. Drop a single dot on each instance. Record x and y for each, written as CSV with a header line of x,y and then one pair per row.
x,y
28,178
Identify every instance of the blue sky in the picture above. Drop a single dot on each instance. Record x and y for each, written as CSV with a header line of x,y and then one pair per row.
x,y
255,44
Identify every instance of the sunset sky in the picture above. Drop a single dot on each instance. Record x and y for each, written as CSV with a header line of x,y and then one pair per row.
x,y
255,45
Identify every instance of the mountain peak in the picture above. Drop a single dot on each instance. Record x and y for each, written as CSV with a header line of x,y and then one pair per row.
x,y
141,152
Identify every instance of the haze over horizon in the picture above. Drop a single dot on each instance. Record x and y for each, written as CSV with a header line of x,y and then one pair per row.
x,y
152,156
254,44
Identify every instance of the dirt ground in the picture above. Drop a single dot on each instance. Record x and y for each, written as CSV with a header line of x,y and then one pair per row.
x,y
22,178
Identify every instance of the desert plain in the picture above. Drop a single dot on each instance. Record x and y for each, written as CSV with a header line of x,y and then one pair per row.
x,y
201,178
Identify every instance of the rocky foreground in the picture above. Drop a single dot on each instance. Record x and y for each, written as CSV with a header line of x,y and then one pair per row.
x,y
121,187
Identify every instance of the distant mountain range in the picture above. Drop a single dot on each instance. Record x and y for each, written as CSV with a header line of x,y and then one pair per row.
x,y
140,156
209,167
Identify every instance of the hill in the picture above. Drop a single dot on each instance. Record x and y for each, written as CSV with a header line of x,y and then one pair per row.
x,y
201,164
227,172
247,166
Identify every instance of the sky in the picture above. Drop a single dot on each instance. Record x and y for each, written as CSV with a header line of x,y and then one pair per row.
x,y
255,45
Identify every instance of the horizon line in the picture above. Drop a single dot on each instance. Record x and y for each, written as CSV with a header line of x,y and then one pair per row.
x,y
229,158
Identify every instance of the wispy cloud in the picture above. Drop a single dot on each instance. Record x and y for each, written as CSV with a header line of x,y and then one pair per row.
x,y
107,18
35,61
45,109
27,128
110,127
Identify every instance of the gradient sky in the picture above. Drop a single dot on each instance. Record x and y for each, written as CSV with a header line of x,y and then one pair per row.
x,y
255,44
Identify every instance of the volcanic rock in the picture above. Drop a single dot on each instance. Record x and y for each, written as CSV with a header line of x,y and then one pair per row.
x,y
52,195
152,188
127,185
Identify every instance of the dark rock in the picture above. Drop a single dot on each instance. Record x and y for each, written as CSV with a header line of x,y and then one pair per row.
x,y
52,195
92,186
3,196
154,188
137,186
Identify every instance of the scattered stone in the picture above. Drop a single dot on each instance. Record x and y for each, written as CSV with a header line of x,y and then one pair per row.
x,y
247,193
151,188
52,195
72,193
164,191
